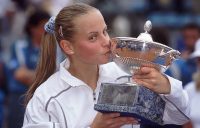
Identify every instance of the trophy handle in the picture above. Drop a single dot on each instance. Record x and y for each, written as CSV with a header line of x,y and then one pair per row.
x,y
128,81
171,56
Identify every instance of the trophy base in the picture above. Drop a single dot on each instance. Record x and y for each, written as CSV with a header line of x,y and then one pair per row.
x,y
133,101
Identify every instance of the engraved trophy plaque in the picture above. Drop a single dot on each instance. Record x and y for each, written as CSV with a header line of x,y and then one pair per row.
x,y
129,98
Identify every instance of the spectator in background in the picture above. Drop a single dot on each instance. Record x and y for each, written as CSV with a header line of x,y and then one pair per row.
x,y
121,26
193,89
160,34
190,34
184,67
2,78
21,66
13,21
3,85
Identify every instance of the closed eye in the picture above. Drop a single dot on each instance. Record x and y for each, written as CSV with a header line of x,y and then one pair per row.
x,y
93,37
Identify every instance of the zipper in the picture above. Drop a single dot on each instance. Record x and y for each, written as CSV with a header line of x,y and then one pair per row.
x,y
94,96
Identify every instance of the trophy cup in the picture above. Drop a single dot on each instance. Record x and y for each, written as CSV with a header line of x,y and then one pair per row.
x,y
129,98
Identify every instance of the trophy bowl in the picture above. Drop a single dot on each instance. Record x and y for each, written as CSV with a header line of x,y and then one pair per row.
x,y
132,53
130,98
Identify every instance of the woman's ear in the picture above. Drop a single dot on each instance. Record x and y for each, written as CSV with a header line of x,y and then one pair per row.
x,y
67,47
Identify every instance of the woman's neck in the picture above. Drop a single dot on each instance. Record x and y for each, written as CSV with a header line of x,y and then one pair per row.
x,y
86,73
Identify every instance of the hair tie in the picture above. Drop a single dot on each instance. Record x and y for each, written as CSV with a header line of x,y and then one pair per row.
x,y
50,25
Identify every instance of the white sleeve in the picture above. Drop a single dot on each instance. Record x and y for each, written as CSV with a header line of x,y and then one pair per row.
x,y
177,104
190,89
36,116
43,125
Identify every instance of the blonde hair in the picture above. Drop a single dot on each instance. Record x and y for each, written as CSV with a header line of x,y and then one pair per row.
x,y
64,30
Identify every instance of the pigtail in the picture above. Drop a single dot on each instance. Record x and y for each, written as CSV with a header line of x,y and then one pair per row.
x,y
47,63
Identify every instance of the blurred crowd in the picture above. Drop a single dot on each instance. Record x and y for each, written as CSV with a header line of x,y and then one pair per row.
x,y
175,23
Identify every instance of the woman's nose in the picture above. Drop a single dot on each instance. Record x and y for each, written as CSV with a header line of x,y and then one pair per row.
x,y
106,41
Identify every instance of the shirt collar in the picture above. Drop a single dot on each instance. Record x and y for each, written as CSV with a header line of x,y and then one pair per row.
x,y
66,75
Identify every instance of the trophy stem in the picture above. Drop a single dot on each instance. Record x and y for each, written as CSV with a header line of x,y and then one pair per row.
x,y
129,80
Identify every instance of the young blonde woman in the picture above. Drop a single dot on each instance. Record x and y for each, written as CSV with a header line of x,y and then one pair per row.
x,y
66,98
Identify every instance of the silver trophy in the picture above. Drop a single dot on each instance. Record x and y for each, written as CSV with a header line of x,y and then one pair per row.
x,y
129,98
132,53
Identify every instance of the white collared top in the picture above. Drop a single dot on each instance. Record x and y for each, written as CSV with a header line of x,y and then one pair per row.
x,y
194,96
64,101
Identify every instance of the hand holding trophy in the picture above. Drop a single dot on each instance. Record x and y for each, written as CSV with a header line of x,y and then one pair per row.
x,y
141,58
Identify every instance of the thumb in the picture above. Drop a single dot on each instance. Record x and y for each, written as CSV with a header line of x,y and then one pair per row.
x,y
146,70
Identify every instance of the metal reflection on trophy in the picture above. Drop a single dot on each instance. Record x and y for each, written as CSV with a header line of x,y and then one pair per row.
x,y
133,99
132,53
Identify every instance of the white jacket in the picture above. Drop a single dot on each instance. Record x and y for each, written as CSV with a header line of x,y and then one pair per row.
x,y
194,103
64,101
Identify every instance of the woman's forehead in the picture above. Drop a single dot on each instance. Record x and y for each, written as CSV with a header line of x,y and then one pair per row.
x,y
92,20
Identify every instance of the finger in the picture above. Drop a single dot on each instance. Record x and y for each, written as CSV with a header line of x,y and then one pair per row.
x,y
146,80
153,74
117,125
144,70
145,84
118,122
144,76
109,117
112,115
125,119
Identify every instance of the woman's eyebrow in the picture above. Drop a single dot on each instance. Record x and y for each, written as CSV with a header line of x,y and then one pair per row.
x,y
94,32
